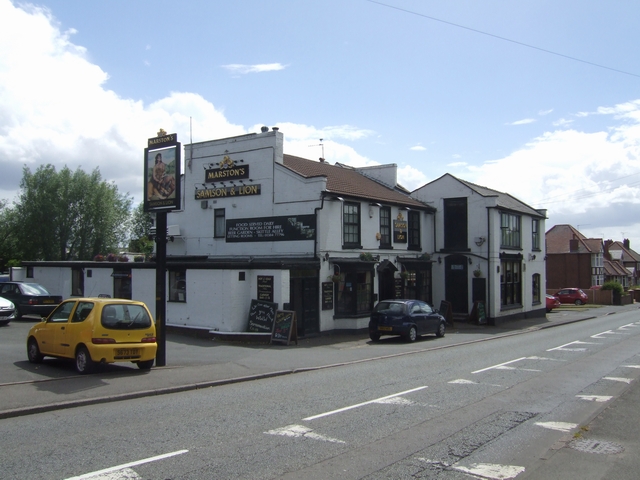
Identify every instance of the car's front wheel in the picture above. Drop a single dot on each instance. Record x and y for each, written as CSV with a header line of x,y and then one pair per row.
x,y
374,336
84,364
33,351
440,331
412,335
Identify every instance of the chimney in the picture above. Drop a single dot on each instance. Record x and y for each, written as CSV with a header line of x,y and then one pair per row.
x,y
321,160
626,244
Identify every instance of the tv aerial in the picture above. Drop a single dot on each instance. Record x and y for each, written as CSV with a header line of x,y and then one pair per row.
x,y
320,145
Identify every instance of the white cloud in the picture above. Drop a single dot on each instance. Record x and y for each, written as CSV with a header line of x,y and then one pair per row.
x,y
259,68
542,113
524,121
418,148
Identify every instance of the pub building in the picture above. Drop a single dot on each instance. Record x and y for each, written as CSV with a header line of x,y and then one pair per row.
x,y
326,241
254,226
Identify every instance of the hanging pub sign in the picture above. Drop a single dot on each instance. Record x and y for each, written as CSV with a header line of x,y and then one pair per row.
x,y
162,169
271,229
400,229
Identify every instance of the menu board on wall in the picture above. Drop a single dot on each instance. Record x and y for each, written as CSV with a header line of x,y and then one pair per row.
x,y
265,288
327,295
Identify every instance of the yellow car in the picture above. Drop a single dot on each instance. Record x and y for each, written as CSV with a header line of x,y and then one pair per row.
x,y
95,330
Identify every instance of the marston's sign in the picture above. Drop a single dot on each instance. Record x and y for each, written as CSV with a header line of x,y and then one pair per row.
x,y
228,170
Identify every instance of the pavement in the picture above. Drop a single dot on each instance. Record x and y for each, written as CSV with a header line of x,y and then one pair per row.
x,y
193,362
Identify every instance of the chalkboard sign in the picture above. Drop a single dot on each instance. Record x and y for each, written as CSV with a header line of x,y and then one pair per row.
x,y
285,327
479,313
261,315
445,311
327,295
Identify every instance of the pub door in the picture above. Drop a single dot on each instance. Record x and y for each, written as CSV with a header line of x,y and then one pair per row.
x,y
305,300
456,283
386,281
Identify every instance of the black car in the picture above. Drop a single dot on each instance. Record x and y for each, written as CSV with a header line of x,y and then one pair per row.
x,y
29,298
407,318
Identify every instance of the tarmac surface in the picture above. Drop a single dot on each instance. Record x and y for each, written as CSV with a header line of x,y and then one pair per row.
x,y
193,362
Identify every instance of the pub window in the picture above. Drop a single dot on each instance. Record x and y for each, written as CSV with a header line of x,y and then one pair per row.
x,y
455,223
29,272
535,234
510,283
351,225
177,285
218,223
414,230
535,285
510,228
77,282
354,292
122,283
385,226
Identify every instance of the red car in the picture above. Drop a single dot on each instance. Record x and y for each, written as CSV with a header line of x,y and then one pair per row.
x,y
572,295
552,302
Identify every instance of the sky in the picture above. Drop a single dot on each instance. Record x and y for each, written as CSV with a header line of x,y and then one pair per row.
x,y
536,98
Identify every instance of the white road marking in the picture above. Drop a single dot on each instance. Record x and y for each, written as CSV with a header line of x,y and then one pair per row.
x,y
491,471
610,332
301,431
627,326
128,465
351,407
619,379
124,474
500,365
560,426
514,368
396,401
595,398
630,366
462,381
577,342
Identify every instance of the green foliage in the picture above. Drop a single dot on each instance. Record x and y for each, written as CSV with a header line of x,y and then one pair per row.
x,y
612,285
141,223
67,215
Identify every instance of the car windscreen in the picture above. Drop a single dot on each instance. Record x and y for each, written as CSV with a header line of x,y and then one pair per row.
x,y
125,317
33,289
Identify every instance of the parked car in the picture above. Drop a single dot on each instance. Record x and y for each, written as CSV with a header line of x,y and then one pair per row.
x,y
7,311
29,298
407,318
95,330
572,295
552,302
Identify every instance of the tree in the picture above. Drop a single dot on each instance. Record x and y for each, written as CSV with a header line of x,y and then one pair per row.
x,y
68,215
7,234
141,223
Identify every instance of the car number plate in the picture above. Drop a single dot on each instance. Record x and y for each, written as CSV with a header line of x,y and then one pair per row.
x,y
385,329
127,352
3,317
47,301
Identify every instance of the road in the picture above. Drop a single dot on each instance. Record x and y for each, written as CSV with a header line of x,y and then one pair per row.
x,y
514,407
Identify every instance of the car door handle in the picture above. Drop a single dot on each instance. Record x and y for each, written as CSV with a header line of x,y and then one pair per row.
x,y
61,328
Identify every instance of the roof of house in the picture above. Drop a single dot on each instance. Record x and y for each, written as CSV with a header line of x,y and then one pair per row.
x,y
504,200
614,268
558,240
346,181
629,255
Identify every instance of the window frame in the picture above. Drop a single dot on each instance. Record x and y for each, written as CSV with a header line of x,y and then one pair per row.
x,y
177,274
535,234
510,230
351,225
511,283
385,227
219,230
413,230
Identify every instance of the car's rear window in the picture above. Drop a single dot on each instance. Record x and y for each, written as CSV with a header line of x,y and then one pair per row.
x,y
389,307
125,317
34,289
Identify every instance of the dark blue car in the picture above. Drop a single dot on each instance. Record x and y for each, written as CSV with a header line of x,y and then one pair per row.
x,y
407,318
